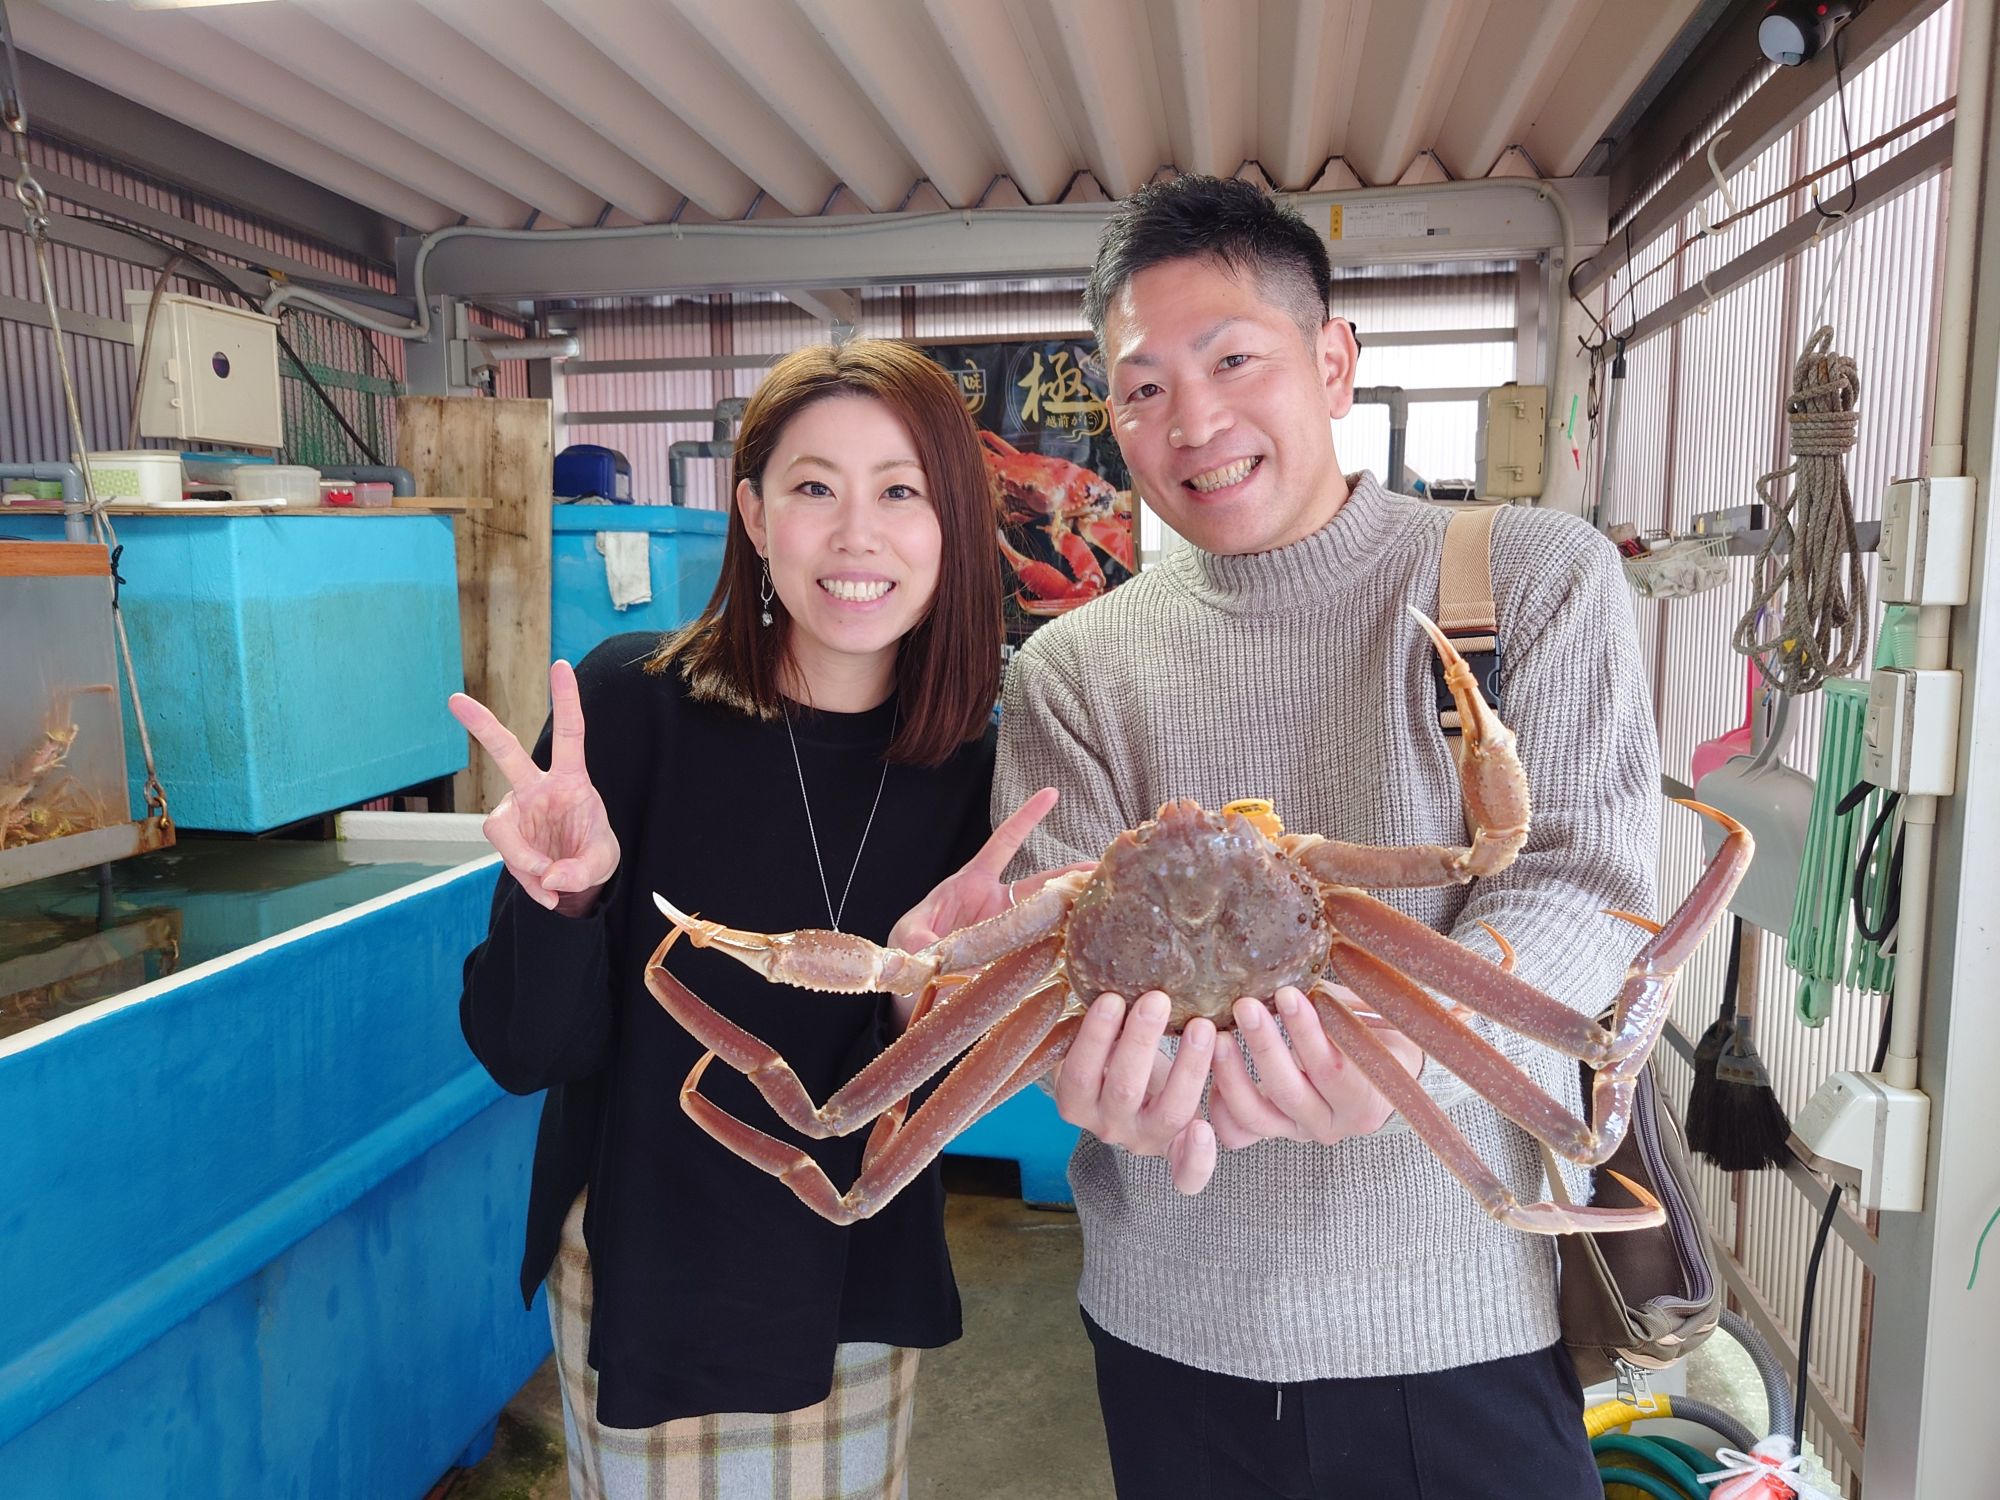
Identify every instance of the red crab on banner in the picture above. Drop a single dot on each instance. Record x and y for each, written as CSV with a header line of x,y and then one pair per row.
x,y
1063,513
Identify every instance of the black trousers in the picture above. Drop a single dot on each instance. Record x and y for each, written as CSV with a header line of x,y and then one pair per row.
x,y
1508,1429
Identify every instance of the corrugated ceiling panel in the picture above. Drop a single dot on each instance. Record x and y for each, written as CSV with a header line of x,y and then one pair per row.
x,y
871,105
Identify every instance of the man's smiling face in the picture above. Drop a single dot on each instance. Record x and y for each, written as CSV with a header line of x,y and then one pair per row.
x,y
1224,407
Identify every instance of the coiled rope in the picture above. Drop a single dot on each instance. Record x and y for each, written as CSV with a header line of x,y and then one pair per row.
x,y
1811,554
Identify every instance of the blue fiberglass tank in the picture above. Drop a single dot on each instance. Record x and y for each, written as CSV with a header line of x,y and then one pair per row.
x,y
682,554
289,665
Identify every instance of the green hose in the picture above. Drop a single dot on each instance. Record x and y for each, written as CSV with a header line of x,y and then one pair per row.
x,y
1645,1483
1670,1458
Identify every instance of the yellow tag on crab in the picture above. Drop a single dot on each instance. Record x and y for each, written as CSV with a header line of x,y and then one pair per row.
x,y
1260,812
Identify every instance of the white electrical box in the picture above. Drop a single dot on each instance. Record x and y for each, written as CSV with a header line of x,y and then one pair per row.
x,y
1926,552
211,373
1909,742
1871,1134
1511,455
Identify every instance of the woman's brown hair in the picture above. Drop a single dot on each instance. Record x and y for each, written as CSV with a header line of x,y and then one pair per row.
x,y
948,666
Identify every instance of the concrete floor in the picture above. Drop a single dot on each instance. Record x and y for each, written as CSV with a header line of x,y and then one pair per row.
x,y
1009,1412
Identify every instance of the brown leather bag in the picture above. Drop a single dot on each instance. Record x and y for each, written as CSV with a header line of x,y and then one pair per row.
x,y
1631,1300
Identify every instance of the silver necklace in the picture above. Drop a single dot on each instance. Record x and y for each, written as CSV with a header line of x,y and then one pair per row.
x,y
833,913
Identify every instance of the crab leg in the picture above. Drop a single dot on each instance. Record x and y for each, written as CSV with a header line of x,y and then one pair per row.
x,y
840,963
930,1042
1443,1034
1400,943
892,1158
1434,1128
1049,1051
1491,781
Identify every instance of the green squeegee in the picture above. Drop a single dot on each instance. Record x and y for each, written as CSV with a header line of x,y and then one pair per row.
x,y
1817,945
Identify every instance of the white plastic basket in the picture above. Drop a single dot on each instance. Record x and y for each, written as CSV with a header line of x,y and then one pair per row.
x,y
1690,565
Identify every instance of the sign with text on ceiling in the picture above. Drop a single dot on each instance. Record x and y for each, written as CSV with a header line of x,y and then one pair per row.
x,y
1061,494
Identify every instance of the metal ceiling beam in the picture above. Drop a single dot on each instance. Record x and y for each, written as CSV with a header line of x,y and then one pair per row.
x,y
1397,110
1707,60
1108,83
1492,108
76,110
179,41
102,239
1783,100
498,103
671,61
892,52
831,305
291,39
1315,48
1206,54
772,48
132,211
1497,219
106,62
1894,177
1620,54
551,55
991,59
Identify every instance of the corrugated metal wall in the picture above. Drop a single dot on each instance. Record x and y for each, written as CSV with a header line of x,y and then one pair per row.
x,y
33,425
1701,420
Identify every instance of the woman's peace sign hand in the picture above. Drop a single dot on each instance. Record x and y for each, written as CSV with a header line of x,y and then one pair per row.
x,y
551,828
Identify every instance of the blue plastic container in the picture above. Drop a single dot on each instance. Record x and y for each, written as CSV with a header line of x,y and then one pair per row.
x,y
588,469
263,1221
289,665
684,559
1026,1130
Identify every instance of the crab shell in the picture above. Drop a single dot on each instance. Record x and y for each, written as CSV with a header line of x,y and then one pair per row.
x,y
1201,905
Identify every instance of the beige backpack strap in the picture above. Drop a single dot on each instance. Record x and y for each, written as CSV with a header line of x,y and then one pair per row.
x,y
1466,611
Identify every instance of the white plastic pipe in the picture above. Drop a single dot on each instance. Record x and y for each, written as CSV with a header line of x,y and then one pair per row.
x,y
1947,461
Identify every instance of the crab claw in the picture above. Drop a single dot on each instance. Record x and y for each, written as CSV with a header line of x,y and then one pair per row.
x,y
832,962
1491,780
1586,1218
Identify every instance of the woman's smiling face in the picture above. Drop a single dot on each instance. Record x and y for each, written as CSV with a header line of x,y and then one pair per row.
x,y
846,522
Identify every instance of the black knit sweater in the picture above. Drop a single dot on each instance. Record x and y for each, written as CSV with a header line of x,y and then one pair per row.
x,y
716,1290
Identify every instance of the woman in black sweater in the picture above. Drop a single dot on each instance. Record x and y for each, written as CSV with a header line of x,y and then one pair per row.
x,y
814,751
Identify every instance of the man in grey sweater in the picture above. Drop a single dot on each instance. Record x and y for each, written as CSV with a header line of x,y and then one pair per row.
x,y
1330,1313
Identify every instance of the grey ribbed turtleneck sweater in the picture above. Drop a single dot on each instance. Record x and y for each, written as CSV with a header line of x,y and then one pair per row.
x,y
1298,675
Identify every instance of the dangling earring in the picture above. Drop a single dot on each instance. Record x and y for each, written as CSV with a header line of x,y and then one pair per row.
x,y
764,591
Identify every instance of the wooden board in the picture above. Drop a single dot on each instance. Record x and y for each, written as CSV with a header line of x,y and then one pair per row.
x,y
54,560
413,505
504,452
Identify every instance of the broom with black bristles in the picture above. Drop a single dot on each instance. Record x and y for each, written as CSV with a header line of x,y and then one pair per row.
x,y
1733,1117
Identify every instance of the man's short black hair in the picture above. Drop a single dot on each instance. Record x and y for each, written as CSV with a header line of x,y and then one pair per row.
x,y
1224,219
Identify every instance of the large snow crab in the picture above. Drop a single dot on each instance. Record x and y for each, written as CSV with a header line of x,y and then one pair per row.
x,y
1210,906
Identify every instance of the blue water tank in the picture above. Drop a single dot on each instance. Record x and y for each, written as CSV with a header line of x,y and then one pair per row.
x,y
683,561
587,469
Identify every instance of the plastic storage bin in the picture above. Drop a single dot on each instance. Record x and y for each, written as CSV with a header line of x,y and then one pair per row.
x,y
215,468
290,665
62,748
683,561
288,484
137,474
587,469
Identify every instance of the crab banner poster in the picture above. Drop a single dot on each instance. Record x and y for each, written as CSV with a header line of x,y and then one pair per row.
x,y
1062,499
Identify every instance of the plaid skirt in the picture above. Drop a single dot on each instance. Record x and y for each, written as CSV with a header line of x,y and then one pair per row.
x,y
852,1446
